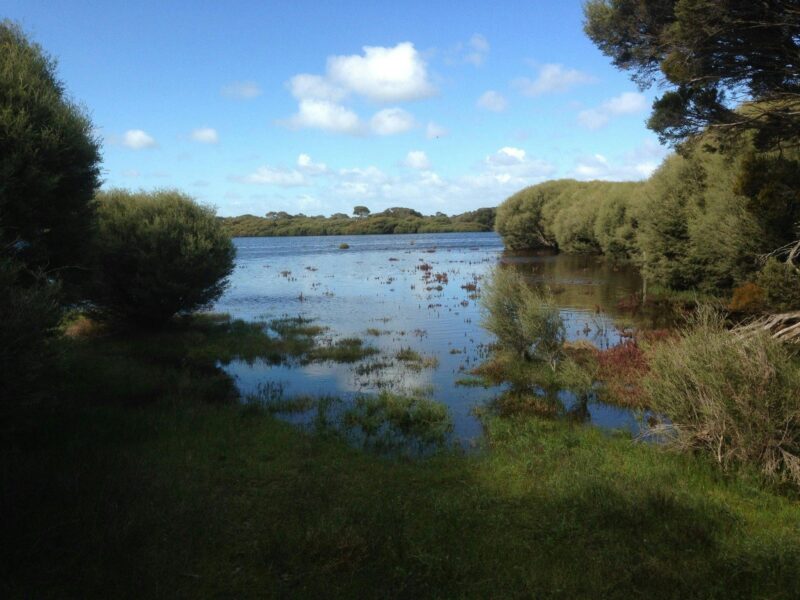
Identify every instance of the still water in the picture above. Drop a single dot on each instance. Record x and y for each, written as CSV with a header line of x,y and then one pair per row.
x,y
417,291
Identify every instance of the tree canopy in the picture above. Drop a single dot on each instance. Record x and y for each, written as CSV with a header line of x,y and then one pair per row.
x,y
733,65
49,159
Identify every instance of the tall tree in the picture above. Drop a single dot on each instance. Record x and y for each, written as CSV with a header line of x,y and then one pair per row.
x,y
49,159
733,65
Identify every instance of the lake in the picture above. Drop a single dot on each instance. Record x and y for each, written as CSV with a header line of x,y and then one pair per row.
x,y
417,291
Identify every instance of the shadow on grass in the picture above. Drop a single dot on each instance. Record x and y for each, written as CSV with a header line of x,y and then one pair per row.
x,y
214,500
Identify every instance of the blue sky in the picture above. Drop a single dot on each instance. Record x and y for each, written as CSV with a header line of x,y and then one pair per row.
x,y
316,107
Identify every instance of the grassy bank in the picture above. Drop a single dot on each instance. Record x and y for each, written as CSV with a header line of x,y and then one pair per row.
x,y
169,496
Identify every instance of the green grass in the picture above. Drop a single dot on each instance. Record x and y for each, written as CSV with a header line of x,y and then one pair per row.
x,y
208,501
171,496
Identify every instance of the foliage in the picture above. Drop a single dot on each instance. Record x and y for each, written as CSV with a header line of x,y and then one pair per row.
x,y
392,220
712,55
157,254
524,319
733,397
781,283
699,222
30,312
49,160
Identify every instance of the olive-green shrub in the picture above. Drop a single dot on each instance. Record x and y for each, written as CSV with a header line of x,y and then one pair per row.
x,y
730,396
157,254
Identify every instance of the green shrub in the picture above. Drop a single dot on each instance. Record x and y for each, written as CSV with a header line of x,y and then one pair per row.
x,y
157,254
781,283
732,397
523,319
30,311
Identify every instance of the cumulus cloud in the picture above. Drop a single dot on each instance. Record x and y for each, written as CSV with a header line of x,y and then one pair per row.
x,y
136,139
434,130
390,121
326,115
241,90
417,159
380,74
552,78
493,101
308,166
627,103
205,135
315,87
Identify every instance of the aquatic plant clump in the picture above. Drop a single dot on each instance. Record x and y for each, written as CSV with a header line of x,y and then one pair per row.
x,y
522,318
388,421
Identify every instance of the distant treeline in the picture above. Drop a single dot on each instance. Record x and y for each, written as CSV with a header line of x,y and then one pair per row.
x,y
703,220
392,220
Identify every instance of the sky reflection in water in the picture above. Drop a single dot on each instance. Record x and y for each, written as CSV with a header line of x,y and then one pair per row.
x,y
377,284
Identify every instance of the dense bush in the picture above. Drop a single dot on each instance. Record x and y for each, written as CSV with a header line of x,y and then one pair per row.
x,y
699,222
49,160
157,254
781,284
732,397
30,310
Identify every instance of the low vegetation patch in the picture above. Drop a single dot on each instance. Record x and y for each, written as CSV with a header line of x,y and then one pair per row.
x,y
390,421
733,397
346,350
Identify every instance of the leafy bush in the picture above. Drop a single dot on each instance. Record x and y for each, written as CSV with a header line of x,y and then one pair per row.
x,y
523,319
30,311
748,297
157,254
732,397
781,283
49,159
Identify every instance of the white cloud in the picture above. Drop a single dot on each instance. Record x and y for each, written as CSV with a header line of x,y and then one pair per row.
x,y
308,166
627,103
478,49
383,74
417,159
241,90
493,101
552,78
205,135
137,139
433,131
390,121
637,164
315,87
326,115
268,175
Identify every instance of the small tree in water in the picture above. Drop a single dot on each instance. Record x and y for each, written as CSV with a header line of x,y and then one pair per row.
x,y
523,319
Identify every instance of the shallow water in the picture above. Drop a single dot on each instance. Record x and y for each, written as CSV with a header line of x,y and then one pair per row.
x,y
380,283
